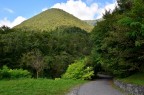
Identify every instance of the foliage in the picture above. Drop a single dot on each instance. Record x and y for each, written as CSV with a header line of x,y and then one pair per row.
x,y
78,70
37,86
118,40
51,19
58,49
6,73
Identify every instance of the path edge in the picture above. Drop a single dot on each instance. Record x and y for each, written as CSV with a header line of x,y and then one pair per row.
x,y
130,88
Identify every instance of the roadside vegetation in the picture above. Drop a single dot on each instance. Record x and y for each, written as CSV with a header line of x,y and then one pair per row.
x,y
137,79
79,70
119,40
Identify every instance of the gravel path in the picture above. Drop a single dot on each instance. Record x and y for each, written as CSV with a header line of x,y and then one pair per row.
x,y
98,87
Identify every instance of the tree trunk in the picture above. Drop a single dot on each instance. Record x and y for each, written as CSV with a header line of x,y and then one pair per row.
x,y
37,74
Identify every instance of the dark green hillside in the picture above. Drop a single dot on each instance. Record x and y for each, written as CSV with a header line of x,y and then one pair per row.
x,y
51,19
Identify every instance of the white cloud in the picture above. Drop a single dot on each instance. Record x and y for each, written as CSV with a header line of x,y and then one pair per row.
x,y
13,23
83,11
9,10
79,9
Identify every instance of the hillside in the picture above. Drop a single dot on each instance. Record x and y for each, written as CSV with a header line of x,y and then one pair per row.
x,y
93,22
51,19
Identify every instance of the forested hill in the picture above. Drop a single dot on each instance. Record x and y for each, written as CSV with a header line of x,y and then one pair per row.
x,y
51,19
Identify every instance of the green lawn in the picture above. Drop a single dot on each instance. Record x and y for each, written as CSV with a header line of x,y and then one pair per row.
x,y
137,79
37,86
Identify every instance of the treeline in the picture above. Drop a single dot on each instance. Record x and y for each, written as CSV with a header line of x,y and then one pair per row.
x,y
119,39
52,50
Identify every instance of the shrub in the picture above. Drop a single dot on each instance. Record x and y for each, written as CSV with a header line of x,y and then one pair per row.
x,y
78,70
19,73
121,73
6,73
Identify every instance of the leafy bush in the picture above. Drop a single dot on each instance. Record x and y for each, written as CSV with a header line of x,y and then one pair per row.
x,y
6,73
19,73
78,70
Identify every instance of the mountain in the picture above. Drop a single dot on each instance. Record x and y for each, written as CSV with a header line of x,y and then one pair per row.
x,y
52,19
93,22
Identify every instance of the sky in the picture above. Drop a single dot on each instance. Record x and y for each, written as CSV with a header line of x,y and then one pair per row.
x,y
13,12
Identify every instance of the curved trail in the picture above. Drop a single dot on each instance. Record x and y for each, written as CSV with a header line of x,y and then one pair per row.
x,y
98,87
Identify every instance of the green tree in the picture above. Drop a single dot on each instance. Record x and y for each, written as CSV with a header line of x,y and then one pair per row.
x,y
35,60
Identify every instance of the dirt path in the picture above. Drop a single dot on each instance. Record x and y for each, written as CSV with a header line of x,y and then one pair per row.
x,y
98,87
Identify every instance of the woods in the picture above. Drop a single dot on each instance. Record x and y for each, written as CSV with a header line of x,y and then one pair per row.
x,y
47,53
118,39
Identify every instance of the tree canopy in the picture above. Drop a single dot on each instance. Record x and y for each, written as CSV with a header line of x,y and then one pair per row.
x,y
119,39
58,48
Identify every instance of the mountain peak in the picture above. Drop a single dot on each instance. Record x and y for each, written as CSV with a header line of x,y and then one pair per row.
x,y
52,19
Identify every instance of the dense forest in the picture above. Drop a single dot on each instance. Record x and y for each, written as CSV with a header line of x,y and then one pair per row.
x,y
115,46
119,39
54,50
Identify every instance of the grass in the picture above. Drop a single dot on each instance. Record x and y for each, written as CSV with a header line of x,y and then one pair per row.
x,y
37,86
137,79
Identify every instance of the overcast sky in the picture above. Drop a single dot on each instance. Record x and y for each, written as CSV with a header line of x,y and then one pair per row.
x,y
13,12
